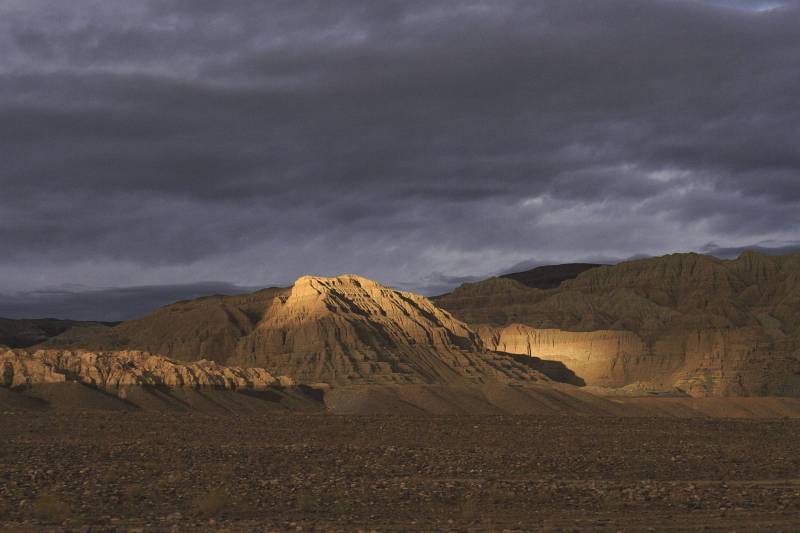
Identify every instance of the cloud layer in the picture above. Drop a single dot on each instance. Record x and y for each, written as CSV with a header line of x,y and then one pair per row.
x,y
169,142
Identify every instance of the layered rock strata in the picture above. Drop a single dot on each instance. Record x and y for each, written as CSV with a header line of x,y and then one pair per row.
x,y
339,330
707,326
112,370
349,329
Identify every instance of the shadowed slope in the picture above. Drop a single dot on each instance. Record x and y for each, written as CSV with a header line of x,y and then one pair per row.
x,y
203,328
550,276
21,333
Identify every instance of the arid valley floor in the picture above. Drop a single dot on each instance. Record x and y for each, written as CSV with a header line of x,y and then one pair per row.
x,y
148,471
399,266
659,394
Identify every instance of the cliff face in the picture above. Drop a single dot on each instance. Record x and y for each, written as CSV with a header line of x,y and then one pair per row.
x,y
112,370
339,330
598,357
707,326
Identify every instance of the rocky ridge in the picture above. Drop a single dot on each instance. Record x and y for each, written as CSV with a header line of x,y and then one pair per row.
x,y
202,328
350,329
115,370
685,322
707,326
340,330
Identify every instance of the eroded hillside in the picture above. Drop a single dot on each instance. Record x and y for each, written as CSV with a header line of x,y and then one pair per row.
x,y
704,325
341,330
119,369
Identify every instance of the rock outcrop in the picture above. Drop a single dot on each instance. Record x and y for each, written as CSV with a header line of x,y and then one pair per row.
x,y
118,369
341,330
707,326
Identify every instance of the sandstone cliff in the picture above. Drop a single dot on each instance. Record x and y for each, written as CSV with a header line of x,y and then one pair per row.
x,y
707,326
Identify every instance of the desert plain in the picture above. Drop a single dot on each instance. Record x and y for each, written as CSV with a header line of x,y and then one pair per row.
x,y
167,471
658,394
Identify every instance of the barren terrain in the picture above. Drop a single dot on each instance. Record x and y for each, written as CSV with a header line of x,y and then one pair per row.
x,y
161,471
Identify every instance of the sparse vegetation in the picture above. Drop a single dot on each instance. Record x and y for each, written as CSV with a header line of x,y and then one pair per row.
x,y
213,503
469,508
164,471
499,496
339,503
308,503
48,508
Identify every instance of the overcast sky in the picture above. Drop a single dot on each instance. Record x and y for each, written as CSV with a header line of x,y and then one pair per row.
x,y
195,145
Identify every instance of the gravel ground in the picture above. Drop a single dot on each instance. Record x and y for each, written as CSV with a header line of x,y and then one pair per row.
x,y
95,471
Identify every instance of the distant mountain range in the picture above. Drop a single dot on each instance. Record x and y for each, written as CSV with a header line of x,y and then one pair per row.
x,y
21,333
684,323
550,276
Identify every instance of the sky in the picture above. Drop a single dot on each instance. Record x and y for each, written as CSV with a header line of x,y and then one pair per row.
x,y
164,149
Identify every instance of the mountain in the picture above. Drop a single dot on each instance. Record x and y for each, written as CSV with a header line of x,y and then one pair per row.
x,y
203,328
688,321
21,333
341,330
680,323
550,276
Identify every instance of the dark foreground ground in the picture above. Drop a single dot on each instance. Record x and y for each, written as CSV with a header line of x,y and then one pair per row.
x,y
164,471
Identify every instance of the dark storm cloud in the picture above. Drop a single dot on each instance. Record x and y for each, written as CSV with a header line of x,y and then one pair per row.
x,y
419,143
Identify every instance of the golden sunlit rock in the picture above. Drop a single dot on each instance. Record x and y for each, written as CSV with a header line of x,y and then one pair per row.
x,y
340,330
112,370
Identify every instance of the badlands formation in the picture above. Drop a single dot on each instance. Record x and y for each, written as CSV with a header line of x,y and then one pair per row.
x,y
701,325
120,369
339,331
108,427
675,326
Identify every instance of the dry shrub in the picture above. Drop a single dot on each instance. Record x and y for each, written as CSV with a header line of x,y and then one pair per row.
x,y
136,493
478,506
499,496
469,509
213,503
108,476
307,503
48,508
340,503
